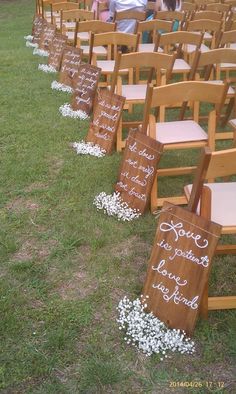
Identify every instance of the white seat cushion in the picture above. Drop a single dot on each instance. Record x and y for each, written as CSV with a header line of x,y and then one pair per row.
x,y
146,47
97,50
107,66
179,131
82,36
233,123
69,25
181,66
207,36
134,92
222,213
189,48
228,66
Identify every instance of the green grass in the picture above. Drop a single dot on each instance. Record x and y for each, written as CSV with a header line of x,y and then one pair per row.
x,y
65,266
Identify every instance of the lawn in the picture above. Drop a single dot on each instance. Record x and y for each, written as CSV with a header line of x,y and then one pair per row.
x,y
65,266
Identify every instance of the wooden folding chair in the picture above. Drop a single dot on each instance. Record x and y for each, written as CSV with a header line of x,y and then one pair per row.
x,y
113,41
181,134
158,64
219,7
83,33
228,39
211,15
57,8
137,16
216,66
178,16
215,201
151,28
178,42
68,20
211,30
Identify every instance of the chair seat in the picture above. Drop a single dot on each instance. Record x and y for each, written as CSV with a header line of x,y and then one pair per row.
x,y
69,25
146,47
149,47
181,66
179,131
99,51
83,36
228,66
107,66
232,122
222,213
189,48
207,36
134,92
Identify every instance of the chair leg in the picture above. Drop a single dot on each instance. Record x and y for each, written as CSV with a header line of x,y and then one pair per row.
x,y
119,137
154,194
227,112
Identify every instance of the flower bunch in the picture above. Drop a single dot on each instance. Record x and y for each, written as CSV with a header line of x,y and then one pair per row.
x,y
40,52
67,111
61,87
47,68
113,205
29,37
30,44
147,332
88,148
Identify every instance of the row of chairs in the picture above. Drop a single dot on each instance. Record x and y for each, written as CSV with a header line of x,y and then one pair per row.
x,y
182,134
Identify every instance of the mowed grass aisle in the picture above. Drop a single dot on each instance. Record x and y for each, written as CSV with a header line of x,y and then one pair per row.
x,y
64,266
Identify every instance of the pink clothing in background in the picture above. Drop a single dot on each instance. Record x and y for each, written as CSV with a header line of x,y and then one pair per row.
x,y
103,15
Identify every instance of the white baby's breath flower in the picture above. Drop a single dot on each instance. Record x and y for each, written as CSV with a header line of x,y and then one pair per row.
x,y
113,205
88,148
40,52
30,44
29,37
67,111
46,68
148,333
61,87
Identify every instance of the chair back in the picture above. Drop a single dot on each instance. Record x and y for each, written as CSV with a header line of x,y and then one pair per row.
x,y
213,59
113,40
182,92
95,26
218,7
129,14
155,25
64,6
206,26
212,15
227,38
154,61
171,16
77,15
169,40
212,165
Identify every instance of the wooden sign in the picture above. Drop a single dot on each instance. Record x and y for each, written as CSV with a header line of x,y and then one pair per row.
x,y
38,24
71,60
138,169
85,88
106,117
55,55
46,37
179,266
